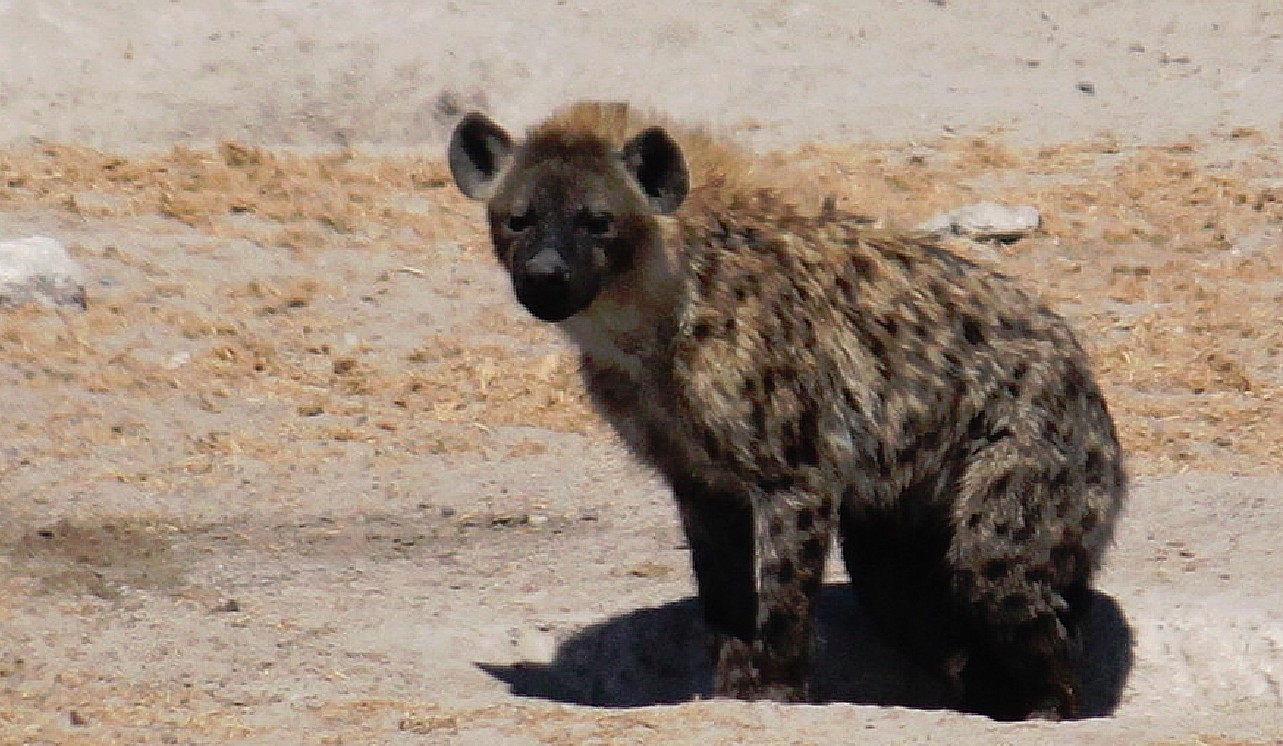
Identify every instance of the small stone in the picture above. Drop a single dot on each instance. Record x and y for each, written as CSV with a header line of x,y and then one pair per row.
x,y
429,724
39,270
99,205
1087,87
985,221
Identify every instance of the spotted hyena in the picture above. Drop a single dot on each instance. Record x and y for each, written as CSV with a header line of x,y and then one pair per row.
x,y
790,373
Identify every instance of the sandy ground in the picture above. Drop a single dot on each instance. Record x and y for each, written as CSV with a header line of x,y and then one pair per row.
x,y
303,473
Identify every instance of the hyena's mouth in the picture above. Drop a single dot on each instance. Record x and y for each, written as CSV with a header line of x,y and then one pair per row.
x,y
551,302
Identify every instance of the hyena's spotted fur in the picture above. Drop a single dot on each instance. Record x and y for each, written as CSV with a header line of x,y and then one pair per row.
x,y
790,374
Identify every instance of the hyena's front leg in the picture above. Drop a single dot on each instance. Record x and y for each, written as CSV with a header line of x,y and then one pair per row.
x,y
719,529
758,563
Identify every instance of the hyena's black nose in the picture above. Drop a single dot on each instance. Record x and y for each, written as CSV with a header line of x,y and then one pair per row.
x,y
547,268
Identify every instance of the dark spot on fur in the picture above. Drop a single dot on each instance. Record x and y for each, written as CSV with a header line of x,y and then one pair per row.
x,y
977,427
808,333
1095,460
972,331
1000,486
1073,383
778,630
890,326
712,444
813,550
800,449
910,427
1089,521
786,572
759,420
903,259
706,276
878,349
776,484
805,520
729,327
863,267
845,286
768,382
1024,533
1015,602
1002,528
920,331
995,569
825,509
777,526
1068,559
1039,575
702,330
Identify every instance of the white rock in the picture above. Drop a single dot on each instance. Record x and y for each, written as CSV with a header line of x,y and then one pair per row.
x,y
39,269
986,221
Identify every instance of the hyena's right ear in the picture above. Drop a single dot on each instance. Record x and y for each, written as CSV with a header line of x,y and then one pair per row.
x,y
479,151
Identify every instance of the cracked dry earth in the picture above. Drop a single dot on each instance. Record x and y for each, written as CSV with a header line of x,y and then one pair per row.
x,y
303,473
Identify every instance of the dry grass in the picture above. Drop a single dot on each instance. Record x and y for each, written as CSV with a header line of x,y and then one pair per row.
x,y
1166,262
282,199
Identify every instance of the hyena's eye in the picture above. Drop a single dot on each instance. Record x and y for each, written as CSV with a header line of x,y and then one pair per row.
x,y
520,223
598,223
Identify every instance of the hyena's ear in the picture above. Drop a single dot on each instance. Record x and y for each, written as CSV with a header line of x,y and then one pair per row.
x,y
479,151
655,160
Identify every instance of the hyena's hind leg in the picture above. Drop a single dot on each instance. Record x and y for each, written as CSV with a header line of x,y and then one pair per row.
x,y
758,563
1021,561
899,570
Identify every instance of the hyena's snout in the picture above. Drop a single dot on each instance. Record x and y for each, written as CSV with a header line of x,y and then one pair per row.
x,y
550,287
547,271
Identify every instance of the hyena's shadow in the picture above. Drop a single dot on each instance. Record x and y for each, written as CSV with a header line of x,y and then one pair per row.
x,y
659,656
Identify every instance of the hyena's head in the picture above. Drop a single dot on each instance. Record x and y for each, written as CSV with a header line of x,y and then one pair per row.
x,y
568,212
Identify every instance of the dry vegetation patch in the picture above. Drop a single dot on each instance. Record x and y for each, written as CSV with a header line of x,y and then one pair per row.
x,y
1168,261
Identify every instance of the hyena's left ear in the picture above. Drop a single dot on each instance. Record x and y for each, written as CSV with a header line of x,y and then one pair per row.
x,y
479,151
655,160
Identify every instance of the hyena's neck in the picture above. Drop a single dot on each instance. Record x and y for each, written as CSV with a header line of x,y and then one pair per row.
x,y
631,324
